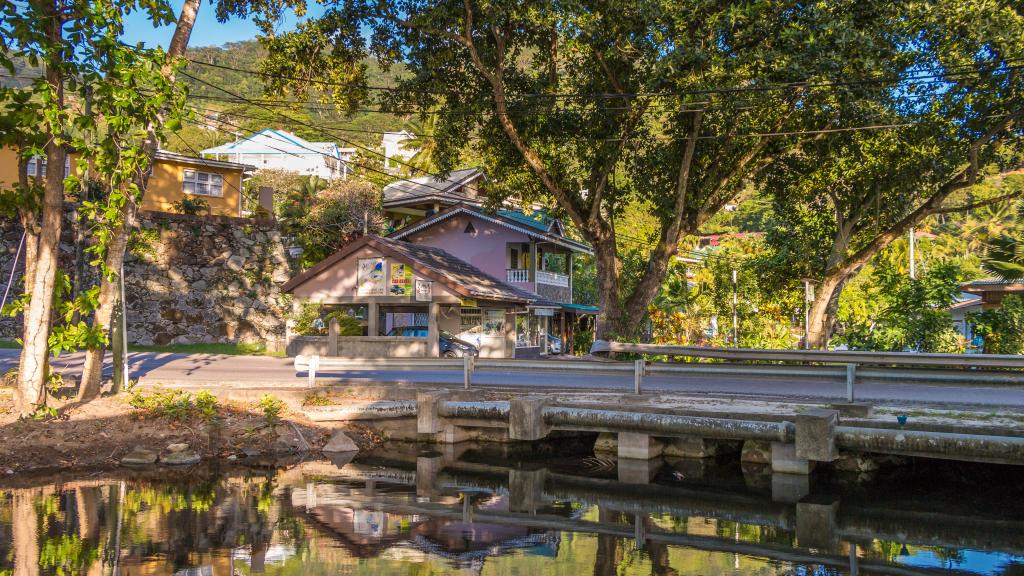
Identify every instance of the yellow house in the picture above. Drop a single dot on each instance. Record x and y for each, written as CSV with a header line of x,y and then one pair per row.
x,y
175,176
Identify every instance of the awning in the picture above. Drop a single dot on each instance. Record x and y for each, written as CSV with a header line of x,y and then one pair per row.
x,y
581,308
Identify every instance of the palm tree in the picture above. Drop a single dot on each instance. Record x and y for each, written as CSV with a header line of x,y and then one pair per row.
x,y
1005,253
300,199
423,142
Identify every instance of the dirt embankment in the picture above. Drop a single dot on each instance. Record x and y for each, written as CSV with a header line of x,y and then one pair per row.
x,y
100,433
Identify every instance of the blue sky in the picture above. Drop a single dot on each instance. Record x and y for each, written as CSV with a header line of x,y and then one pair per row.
x,y
207,32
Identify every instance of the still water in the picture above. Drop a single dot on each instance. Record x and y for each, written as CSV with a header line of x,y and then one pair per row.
x,y
406,510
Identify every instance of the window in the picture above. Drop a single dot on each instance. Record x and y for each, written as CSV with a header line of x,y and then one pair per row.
x,y
202,183
470,229
37,166
514,258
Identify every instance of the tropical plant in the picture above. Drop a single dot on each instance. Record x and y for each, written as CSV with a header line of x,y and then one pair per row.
x,y
1005,253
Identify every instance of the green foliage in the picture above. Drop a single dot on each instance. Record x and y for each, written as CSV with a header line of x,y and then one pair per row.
x,y
1002,328
1005,252
175,404
306,320
347,325
67,554
335,216
886,310
143,241
272,408
192,206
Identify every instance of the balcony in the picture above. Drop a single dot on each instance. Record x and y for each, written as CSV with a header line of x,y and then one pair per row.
x,y
552,279
521,275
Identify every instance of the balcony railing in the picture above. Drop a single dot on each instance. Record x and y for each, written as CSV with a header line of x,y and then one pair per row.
x,y
552,278
518,275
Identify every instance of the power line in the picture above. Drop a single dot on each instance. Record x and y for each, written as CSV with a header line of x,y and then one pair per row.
x,y
938,76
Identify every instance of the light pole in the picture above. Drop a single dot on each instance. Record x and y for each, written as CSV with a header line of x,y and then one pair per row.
x,y
913,265
808,298
735,337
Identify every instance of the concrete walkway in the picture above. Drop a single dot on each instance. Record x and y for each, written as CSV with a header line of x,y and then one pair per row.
x,y
156,368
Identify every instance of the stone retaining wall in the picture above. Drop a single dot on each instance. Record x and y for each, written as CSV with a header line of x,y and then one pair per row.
x,y
190,279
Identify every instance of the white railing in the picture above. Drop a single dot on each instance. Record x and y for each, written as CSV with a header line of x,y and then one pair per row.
x,y
517,275
552,278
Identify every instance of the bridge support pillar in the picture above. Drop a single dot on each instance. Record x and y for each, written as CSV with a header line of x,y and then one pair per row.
x,y
816,523
634,471
428,421
526,418
638,446
427,469
816,435
526,489
790,488
786,461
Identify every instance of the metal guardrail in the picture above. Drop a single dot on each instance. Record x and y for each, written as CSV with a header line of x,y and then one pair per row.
x,y
850,366
859,357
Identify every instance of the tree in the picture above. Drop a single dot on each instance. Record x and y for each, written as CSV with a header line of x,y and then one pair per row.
x,y
89,81
338,213
590,106
846,197
1005,253
121,210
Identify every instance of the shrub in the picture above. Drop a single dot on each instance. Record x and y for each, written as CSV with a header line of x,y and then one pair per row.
x,y
272,408
192,206
176,404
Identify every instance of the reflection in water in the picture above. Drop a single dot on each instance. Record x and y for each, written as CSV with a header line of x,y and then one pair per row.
x,y
404,512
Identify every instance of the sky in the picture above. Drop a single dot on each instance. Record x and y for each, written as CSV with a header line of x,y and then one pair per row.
x,y
207,32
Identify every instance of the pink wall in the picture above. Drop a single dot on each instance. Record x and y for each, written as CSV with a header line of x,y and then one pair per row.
x,y
484,249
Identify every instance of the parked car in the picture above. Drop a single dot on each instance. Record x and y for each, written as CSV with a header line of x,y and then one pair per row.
x,y
554,344
451,347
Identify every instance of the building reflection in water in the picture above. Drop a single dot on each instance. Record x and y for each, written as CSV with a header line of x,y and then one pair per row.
x,y
410,513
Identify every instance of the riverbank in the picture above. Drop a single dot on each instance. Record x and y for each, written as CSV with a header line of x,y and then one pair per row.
x,y
100,433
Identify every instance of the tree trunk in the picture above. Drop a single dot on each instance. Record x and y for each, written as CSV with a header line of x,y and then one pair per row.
x,y
822,315
33,368
92,370
24,525
606,262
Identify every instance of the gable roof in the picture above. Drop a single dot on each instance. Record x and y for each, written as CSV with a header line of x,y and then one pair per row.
x,y
169,156
502,218
271,141
431,189
458,275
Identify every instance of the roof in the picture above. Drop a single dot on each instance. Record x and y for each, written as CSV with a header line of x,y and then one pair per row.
x,y
583,308
992,285
500,218
270,141
460,276
432,189
538,219
965,300
181,158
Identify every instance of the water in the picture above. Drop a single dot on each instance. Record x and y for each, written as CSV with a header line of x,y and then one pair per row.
x,y
404,510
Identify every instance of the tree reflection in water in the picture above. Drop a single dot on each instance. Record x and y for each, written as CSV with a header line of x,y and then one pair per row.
x,y
310,520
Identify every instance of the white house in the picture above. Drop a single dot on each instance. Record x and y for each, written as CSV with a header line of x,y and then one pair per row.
x,y
394,145
282,150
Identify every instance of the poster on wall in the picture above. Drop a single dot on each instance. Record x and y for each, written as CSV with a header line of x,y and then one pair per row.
x,y
401,280
423,290
370,278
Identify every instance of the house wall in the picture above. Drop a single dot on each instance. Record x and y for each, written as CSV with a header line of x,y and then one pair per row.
x,y
485,248
165,185
165,188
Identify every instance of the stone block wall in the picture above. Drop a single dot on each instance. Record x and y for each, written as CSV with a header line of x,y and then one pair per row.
x,y
193,279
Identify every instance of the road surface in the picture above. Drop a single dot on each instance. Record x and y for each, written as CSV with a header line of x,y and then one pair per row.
x,y
155,368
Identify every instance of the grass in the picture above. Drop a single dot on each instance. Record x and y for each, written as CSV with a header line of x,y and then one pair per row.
x,y
239,349
9,344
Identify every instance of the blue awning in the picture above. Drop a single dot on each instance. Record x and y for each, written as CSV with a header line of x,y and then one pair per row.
x,y
581,308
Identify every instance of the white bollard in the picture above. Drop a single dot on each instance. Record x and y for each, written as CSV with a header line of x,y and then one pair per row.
x,y
467,370
314,363
639,367
851,378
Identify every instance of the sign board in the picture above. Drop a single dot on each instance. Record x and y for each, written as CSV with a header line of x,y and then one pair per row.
x,y
370,278
543,311
424,290
468,302
401,280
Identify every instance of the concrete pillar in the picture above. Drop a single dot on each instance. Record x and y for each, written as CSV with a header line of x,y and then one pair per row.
x,y
332,337
372,319
638,471
427,469
450,434
428,421
691,447
816,435
526,489
526,418
433,345
786,461
638,446
790,488
816,524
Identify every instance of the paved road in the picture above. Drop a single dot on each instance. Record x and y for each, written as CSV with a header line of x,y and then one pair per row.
x,y
153,368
